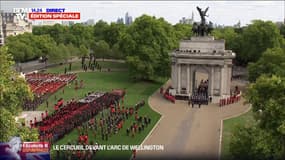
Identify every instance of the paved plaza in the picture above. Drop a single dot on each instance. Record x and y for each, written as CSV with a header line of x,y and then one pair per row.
x,y
186,131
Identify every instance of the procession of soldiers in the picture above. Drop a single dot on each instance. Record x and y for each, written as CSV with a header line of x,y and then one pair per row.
x,y
200,95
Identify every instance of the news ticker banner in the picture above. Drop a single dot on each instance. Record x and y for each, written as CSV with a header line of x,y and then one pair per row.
x,y
109,147
17,150
45,14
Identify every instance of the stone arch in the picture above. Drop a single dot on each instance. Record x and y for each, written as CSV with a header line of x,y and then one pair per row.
x,y
200,68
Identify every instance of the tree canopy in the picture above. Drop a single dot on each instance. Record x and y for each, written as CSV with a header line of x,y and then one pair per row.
x,y
256,38
13,90
232,38
265,139
183,31
146,44
272,62
263,46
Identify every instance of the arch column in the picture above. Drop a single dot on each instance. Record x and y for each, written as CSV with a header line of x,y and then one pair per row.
x,y
211,79
221,80
188,79
179,79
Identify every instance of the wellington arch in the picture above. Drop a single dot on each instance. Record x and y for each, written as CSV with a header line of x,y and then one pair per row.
x,y
205,54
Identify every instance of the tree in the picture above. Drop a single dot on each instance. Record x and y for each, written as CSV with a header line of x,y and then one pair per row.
x,y
116,52
28,134
100,29
113,33
10,128
25,47
74,51
251,142
231,37
282,30
59,53
183,31
256,38
82,34
13,90
7,125
146,44
272,62
101,49
267,95
83,53
64,51
16,49
44,45
265,139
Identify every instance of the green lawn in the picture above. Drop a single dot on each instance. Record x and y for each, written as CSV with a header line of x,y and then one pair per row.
x,y
228,128
105,81
76,66
105,64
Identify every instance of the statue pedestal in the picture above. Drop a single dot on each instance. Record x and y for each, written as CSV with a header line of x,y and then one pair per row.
x,y
204,38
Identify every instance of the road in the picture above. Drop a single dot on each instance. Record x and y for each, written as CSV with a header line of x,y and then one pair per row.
x,y
188,132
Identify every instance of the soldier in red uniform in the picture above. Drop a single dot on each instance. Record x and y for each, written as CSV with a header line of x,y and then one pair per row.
x,y
134,154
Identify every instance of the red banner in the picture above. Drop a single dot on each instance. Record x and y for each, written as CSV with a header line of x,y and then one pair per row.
x,y
55,16
35,147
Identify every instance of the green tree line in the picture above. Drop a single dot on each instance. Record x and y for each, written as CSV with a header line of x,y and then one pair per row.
x,y
144,44
264,139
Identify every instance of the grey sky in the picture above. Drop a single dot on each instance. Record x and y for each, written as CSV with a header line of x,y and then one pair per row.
x,y
221,12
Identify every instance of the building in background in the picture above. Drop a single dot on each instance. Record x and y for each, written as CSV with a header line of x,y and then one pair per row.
x,y
89,22
67,23
185,20
120,20
46,22
11,25
128,19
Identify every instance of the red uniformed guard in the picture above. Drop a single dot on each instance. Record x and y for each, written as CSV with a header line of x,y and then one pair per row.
x,y
31,123
161,90
42,116
55,107
85,137
134,154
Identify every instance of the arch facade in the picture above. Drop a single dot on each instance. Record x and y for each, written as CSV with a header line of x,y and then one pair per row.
x,y
212,58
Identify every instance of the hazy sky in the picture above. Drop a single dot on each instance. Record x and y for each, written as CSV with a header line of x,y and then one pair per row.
x,y
220,12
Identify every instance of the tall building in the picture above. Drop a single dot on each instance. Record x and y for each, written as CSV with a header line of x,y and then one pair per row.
x,y
128,19
11,25
120,20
